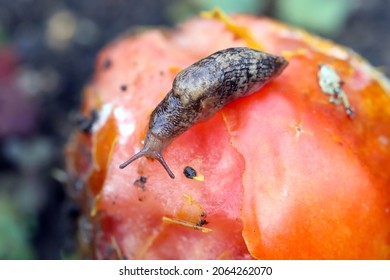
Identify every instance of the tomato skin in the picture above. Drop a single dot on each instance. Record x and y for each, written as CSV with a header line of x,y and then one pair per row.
x,y
316,192
313,203
287,174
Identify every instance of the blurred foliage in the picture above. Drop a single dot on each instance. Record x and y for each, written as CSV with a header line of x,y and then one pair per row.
x,y
182,9
3,37
326,17
14,232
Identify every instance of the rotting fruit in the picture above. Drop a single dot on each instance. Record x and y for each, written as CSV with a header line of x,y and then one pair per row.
x,y
281,174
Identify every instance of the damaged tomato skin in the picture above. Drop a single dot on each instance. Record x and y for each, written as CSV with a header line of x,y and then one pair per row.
x,y
287,174
314,202
325,194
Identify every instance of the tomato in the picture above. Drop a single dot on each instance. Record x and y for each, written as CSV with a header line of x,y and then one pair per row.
x,y
282,174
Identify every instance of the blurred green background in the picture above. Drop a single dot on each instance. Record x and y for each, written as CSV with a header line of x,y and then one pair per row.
x,y
47,52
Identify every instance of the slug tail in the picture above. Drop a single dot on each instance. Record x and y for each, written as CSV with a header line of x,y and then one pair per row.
x,y
280,64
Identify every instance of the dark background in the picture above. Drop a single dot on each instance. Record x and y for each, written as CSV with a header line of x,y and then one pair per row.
x,y
47,52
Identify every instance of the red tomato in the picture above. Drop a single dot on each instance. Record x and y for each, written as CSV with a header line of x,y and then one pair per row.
x,y
287,174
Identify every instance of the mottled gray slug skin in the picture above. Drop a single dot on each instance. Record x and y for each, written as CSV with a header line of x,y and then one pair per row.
x,y
201,90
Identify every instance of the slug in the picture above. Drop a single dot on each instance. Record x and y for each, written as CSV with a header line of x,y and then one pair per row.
x,y
201,90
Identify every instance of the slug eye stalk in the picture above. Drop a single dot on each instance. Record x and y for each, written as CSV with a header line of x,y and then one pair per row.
x,y
152,149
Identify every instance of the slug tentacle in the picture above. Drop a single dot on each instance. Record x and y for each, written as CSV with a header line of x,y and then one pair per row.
x,y
153,148
204,88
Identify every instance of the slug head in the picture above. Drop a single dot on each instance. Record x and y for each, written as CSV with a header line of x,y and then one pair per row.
x,y
153,148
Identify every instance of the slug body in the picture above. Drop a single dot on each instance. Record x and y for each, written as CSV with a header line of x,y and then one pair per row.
x,y
201,90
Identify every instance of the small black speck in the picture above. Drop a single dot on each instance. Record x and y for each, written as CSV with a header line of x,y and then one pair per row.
x,y
202,222
85,124
107,64
140,182
143,179
189,172
350,112
123,87
161,73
